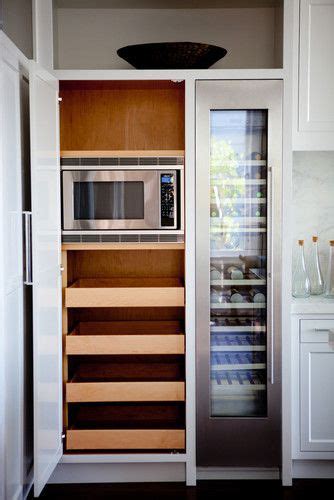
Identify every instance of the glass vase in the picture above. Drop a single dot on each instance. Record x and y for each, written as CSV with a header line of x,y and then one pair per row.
x,y
300,281
314,270
329,288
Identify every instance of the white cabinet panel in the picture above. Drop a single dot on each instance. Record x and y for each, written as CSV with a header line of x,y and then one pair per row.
x,y
14,392
317,397
316,71
46,230
11,177
11,287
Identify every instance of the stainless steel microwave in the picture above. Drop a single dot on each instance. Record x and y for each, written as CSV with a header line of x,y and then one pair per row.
x,y
116,200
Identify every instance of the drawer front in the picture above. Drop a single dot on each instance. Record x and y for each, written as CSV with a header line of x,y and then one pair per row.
x,y
317,330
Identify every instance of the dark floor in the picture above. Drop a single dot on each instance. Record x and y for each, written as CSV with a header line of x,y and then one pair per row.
x,y
205,490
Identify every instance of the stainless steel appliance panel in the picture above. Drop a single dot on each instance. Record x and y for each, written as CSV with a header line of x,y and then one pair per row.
x,y
238,303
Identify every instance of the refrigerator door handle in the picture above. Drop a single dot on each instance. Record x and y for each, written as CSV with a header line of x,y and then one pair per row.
x,y
270,290
27,248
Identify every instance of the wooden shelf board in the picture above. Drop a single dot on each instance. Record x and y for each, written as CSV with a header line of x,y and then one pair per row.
x,y
122,246
125,439
124,344
121,153
80,392
125,292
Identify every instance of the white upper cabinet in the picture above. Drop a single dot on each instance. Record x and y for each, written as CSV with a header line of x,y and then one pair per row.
x,y
315,129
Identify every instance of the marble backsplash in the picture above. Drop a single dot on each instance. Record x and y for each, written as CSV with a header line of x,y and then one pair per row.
x,y
313,201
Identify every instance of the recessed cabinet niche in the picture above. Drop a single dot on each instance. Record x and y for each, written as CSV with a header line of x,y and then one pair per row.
x,y
124,346
138,116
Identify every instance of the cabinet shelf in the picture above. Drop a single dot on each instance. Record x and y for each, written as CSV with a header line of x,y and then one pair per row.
x,y
125,292
125,439
126,337
80,392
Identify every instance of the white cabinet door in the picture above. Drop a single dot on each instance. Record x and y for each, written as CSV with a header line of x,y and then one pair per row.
x,y
46,241
317,397
11,281
316,71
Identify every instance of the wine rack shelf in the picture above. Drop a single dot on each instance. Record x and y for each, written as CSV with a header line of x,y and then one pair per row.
x,y
246,282
237,305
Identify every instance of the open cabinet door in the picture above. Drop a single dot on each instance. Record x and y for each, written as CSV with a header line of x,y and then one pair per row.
x,y
46,242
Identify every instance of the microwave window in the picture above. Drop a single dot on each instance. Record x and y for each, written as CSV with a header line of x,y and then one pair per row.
x,y
108,200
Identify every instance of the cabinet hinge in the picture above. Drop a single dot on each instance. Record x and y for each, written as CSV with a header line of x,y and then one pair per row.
x,y
60,99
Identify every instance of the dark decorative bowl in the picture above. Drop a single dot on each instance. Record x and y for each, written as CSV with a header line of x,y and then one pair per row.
x,y
172,55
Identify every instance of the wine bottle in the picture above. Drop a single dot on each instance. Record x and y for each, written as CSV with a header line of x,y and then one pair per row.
x,y
256,296
235,273
236,296
214,273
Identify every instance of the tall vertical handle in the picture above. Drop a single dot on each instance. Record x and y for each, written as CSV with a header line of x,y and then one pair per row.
x,y
27,248
270,291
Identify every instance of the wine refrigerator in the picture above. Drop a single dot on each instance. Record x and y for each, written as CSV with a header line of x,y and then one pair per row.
x,y
238,272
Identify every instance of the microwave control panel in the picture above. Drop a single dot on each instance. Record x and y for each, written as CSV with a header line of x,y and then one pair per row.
x,y
167,199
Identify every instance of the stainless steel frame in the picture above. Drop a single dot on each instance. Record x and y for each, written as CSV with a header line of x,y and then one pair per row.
x,y
151,180
234,441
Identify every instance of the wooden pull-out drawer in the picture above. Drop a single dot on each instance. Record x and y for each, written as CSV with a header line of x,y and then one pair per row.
x,y
79,392
124,344
125,439
125,292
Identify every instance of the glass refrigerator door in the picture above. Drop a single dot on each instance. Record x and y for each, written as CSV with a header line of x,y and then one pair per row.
x,y
238,262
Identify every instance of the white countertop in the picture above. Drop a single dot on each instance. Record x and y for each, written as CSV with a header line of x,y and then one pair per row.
x,y
316,304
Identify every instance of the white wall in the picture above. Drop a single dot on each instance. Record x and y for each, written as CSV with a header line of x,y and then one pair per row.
x,y
313,200
89,38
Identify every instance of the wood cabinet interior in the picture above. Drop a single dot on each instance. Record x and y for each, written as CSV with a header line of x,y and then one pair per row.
x,y
121,115
124,366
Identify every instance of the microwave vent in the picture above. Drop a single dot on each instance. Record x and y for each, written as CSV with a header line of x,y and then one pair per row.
x,y
89,162
128,161
69,162
131,161
129,238
122,238
109,161
71,238
109,238
90,238
148,161
149,238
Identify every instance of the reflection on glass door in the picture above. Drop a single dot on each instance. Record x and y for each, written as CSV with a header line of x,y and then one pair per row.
x,y
238,262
